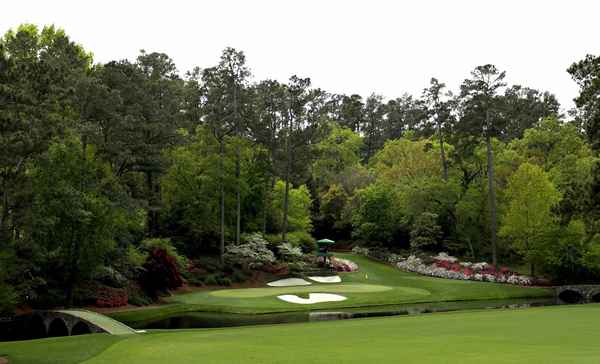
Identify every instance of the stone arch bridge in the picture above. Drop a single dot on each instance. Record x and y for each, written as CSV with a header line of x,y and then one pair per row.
x,y
579,293
52,323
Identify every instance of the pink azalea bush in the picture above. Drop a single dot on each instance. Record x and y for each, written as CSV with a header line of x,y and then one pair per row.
x,y
343,265
446,266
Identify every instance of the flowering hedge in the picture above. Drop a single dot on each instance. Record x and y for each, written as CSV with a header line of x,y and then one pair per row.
x,y
447,266
343,265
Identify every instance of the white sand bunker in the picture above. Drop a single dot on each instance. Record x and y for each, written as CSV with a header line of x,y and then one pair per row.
x,y
289,282
312,298
328,279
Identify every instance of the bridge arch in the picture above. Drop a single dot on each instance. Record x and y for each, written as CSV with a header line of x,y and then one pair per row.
x,y
81,328
571,295
58,327
595,296
36,327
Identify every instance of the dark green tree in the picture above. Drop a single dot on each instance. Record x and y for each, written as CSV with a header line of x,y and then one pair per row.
x,y
76,212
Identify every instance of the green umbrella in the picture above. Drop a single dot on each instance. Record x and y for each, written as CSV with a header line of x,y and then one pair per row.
x,y
325,241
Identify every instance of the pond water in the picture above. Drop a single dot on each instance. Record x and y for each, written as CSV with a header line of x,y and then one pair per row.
x,y
212,319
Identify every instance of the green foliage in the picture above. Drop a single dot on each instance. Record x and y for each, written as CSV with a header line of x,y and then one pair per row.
x,y
564,251
586,73
8,298
190,187
376,218
335,153
289,252
148,245
335,207
425,232
303,240
299,208
591,257
75,218
95,158
404,161
532,196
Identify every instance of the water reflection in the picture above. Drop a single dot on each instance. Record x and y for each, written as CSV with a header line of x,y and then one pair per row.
x,y
211,320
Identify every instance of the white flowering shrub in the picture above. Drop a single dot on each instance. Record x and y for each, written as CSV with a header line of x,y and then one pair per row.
x,y
479,266
360,251
445,257
394,258
253,252
290,253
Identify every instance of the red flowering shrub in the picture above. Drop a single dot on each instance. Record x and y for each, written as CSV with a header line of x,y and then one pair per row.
x,y
111,297
276,269
468,271
442,264
160,273
489,269
455,267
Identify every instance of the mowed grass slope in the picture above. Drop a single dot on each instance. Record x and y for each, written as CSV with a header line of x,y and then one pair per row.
x,y
374,284
560,334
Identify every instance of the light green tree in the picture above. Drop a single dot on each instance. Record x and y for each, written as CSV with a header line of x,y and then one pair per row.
x,y
298,204
337,152
528,218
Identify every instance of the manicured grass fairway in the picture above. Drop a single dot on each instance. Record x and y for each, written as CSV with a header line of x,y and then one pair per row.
x,y
567,334
374,284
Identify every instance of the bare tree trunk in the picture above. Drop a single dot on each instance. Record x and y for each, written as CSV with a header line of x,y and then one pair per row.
x,y
238,195
4,228
222,202
287,193
151,213
264,212
491,196
288,169
442,152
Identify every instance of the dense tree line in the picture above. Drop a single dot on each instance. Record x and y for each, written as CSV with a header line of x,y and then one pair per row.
x,y
98,159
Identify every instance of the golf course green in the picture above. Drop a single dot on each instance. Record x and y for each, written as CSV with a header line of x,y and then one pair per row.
x,y
374,284
559,334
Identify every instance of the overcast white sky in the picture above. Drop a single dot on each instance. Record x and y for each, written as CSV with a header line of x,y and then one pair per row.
x,y
345,46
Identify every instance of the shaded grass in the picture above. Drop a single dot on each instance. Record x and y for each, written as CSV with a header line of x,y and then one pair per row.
x,y
60,350
559,334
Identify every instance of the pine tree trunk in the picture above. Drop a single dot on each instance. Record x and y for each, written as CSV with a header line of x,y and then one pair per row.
x,y
4,235
491,196
238,197
264,212
222,202
288,169
286,194
151,216
442,152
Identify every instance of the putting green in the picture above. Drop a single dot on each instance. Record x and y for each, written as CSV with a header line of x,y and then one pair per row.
x,y
337,288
